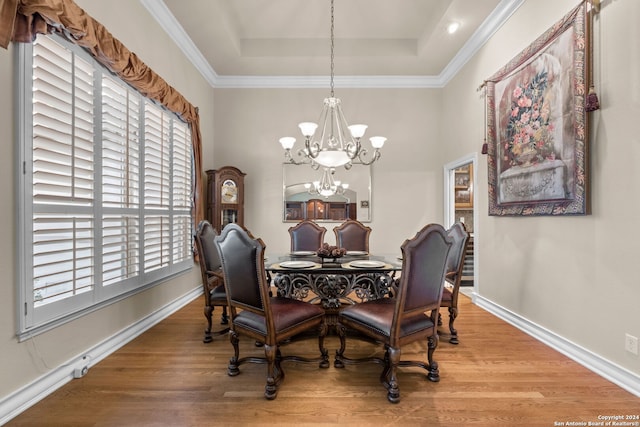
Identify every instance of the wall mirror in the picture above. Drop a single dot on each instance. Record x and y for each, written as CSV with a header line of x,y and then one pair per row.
x,y
302,201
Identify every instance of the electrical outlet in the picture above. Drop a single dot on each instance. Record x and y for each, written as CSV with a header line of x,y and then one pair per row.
x,y
631,344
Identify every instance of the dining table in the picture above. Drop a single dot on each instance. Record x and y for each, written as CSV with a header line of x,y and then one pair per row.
x,y
356,277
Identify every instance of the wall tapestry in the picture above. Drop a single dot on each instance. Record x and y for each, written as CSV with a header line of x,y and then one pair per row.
x,y
537,125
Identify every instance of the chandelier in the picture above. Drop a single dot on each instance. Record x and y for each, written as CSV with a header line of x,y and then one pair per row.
x,y
327,186
335,143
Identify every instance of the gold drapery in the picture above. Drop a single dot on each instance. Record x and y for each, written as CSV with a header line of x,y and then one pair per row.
x,y
22,20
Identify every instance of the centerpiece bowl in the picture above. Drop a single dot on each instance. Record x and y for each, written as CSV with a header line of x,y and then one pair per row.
x,y
327,252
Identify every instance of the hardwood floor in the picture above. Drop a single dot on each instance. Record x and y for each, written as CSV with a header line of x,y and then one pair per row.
x,y
496,376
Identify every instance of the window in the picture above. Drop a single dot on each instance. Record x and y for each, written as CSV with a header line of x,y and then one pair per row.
x,y
105,194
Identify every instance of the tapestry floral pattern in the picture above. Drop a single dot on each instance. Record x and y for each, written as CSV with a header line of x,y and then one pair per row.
x,y
530,128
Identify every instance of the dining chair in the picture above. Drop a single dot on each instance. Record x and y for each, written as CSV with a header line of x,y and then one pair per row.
x,y
352,235
256,314
212,278
410,316
306,236
455,264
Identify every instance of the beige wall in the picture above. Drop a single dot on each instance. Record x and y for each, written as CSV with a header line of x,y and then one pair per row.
x,y
407,181
24,362
575,276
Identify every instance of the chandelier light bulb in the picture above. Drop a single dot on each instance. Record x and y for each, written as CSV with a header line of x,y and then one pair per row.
x,y
287,142
357,131
308,128
377,141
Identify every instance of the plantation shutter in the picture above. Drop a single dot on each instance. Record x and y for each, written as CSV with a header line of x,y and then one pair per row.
x,y
63,129
120,182
106,189
157,173
181,194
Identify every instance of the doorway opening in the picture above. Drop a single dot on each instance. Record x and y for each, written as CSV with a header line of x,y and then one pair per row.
x,y
460,206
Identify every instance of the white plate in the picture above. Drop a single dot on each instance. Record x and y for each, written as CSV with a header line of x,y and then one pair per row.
x,y
367,264
357,253
302,253
297,264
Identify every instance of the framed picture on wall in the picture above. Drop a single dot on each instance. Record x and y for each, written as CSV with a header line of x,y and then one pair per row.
x,y
537,125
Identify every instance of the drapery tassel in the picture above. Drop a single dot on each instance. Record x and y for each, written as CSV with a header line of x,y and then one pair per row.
x,y
592,103
485,146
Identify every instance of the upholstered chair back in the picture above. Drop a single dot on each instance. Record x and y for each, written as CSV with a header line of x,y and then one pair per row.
x,y
352,235
306,236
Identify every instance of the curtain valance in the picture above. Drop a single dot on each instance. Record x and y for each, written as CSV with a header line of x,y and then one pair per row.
x,y
22,20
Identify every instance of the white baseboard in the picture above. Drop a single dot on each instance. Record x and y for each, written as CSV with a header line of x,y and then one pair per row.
x,y
19,401
603,367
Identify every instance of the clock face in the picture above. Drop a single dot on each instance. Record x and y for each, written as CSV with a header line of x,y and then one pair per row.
x,y
229,192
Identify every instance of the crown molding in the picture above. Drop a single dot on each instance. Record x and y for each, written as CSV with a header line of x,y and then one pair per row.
x,y
322,82
485,31
168,22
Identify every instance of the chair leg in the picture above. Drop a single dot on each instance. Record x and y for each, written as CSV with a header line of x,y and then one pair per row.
x,y
342,331
324,354
384,375
393,359
232,369
273,372
207,332
224,317
434,373
453,313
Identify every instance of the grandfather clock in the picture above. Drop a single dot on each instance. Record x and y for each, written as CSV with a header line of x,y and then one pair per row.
x,y
225,197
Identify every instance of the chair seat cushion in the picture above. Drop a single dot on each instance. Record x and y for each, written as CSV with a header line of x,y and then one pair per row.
x,y
377,315
287,315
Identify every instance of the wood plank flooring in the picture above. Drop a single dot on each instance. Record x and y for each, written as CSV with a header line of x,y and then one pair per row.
x,y
496,376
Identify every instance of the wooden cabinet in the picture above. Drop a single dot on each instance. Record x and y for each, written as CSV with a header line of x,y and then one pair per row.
x,y
316,209
463,189
225,197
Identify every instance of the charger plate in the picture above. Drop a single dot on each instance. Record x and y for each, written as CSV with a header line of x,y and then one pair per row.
x,y
297,264
302,253
366,264
357,253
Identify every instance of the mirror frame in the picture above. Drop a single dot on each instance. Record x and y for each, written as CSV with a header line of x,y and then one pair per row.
x,y
295,176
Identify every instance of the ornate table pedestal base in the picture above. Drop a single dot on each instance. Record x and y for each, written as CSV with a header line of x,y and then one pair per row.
x,y
332,290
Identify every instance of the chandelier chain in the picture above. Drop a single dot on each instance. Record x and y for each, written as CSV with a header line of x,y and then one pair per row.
x,y
332,44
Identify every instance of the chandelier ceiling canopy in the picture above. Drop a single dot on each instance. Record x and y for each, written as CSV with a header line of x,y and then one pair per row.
x,y
333,143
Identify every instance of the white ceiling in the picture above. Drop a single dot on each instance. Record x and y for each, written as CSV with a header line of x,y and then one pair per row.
x,y
285,43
